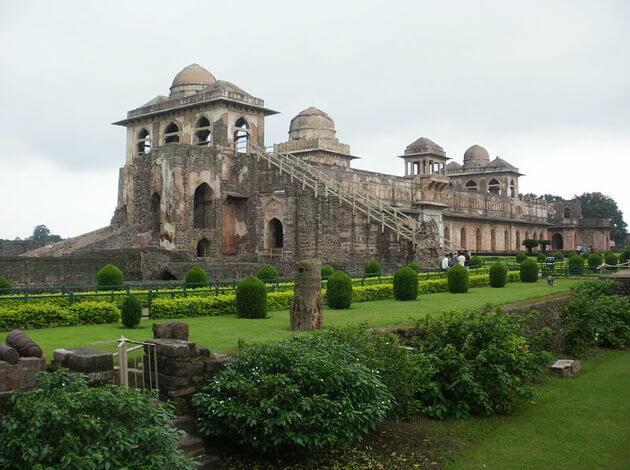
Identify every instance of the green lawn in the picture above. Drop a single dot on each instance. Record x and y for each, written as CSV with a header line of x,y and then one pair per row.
x,y
221,333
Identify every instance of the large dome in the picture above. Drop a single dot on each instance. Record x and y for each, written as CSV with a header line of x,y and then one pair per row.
x,y
476,156
312,123
190,80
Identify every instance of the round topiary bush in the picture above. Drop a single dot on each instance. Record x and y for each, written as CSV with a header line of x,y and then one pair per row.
x,y
109,278
251,298
558,256
413,265
521,257
529,271
576,265
498,275
327,271
541,258
625,255
196,277
458,280
339,290
476,262
405,284
304,393
131,311
373,269
611,259
63,422
267,273
585,256
594,261
5,286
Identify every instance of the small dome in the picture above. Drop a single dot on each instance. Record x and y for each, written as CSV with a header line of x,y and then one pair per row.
x,y
453,166
424,145
476,156
194,74
500,163
312,123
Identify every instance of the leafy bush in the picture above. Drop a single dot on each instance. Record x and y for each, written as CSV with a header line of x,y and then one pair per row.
x,y
35,315
458,280
529,271
576,265
624,257
197,277
109,277
594,260
372,292
541,258
482,363
64,423
413,265
267,273
131,311
373,269
327,271
558,256
585,256
595,287
521,257
339,290
304,392
405,284
251,298
181,307
498,275
5,286
611,259
476,262
92,312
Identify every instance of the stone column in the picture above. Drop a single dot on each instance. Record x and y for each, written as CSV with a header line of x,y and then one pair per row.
x,y
307,311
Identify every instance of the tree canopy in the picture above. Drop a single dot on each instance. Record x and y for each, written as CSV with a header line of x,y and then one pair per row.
x,y
42,233
601,206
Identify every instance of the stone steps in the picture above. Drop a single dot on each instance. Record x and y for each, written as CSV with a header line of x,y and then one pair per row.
x,y
193,446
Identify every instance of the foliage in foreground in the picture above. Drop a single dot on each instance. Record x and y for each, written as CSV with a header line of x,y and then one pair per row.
x,y
305,392
63,423
5,285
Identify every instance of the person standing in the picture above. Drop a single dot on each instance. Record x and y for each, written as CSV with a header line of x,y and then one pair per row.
x,y
445,262
461,259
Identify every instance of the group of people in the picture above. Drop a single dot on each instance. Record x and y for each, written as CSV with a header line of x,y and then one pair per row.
x,y
462,257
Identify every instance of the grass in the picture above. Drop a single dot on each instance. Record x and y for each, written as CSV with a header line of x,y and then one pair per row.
x,y
222,333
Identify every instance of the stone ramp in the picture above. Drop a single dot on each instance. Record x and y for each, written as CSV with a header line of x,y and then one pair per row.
x,y
71,245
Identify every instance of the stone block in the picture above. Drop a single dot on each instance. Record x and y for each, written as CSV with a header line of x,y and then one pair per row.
x,y
171,330
170,383
173,348
217,362
10,376
83,360
181,368
566,367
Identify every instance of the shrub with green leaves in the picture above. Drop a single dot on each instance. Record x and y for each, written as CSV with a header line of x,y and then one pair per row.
x,y
64,423
48,314
558,256
304,392
576,265
498,275
405,284
267,273
251,298
529,271
339,290
611,259
624,257
131,311
585,256
595,287
373,268
413,265
476,262
541,258
5,286
482,363
521,257
327,271
94,312
197,277
109,277
458,280
594,261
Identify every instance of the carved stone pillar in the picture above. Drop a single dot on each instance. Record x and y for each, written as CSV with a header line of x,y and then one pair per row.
x,y
307,311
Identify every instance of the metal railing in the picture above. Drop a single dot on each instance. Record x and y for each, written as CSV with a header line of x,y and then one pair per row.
x,y
148,369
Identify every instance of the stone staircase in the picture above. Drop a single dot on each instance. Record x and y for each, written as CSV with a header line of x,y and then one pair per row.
x,y
193,445
320,182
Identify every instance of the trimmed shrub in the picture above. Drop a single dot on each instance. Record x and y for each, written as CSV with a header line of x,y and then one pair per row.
x,y
541,258
373,269
594,260
521,257
585,256
64,423
181,307
529,271
327,271
558,256
611,259
458,280
498,275
405,284
35,315
476,262
576,265
109,277
93,312
131,311
196,277
5,286
305,392
413,265
624,257
267,273
339,290
251,298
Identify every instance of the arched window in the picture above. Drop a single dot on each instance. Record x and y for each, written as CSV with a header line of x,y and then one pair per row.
x,y
156,213
165,275
143,142
203,248
472,186
494,186
567,213
447,234
557,242
462,238
203,136
478,239
171,133
241,136
202,213
518,240
526,235
535,236
506,240
512,189
275,234
493,240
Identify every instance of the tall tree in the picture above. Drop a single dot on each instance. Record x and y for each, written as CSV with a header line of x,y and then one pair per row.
x,y
601,206
42,233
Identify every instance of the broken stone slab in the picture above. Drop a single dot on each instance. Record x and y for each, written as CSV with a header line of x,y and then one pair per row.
x,y
83,360
173,348
171,330
566,367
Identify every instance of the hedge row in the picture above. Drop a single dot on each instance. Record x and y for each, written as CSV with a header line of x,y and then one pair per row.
x,y
41,315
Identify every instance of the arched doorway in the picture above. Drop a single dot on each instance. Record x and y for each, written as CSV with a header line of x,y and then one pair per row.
x,y
506,240
478,239
165,275
203,248
241,136
447,235
202,213
518,240
156,218
493,240
557,242
275,234
462,238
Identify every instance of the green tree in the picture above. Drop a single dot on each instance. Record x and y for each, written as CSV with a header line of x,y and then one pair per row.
x,y
42,233
599,205
530,244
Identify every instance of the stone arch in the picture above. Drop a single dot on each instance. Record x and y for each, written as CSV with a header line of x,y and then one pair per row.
x,y
171,133
494,187
471,185
203,134
493,240
203,248
535,236
275,234
462,237
143,142
156,213
478,239
557,242
241,135
566,213
165,275
526,234
447,234
518,240
506,240
202,206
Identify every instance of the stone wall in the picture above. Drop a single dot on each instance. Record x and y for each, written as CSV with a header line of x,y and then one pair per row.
x,y
18,247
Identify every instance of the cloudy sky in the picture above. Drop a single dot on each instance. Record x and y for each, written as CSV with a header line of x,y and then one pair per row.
x,y
543,84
